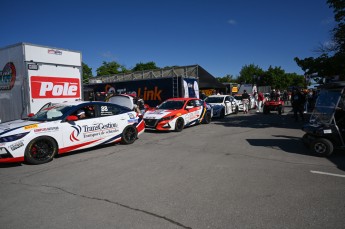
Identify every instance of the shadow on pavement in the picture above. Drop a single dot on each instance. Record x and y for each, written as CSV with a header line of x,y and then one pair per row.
x,y
260,120
292,144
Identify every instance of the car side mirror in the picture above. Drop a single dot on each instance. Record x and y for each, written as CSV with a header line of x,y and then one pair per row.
x,y
72,118
189,107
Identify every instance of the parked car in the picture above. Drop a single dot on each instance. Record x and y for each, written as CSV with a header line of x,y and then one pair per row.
x,y
238,98
65,127
222,105
177,113
274,105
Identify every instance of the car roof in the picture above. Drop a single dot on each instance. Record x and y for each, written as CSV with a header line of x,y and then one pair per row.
x,y
77,103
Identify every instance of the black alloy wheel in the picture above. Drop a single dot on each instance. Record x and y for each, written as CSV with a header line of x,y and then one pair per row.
x,y
129,135
40,150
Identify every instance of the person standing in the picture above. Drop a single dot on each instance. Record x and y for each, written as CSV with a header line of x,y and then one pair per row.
x,y
245,101
297,102
260,102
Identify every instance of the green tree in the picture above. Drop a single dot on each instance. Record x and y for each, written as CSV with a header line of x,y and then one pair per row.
x,y
87,72
331,62
111,68
276,76
250,74
145,66
226,79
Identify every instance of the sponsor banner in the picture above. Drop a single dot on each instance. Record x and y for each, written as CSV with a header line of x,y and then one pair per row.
x,y
191,88
153,91
7,77
44,87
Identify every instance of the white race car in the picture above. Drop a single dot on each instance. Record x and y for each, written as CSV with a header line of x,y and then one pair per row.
x,y
222,105
238,98
64,127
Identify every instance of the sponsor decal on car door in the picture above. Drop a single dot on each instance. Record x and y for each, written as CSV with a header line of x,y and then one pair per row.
x,y
194,114
80,133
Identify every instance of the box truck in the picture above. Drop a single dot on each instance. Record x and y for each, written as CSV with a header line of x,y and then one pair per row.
x,y
33,75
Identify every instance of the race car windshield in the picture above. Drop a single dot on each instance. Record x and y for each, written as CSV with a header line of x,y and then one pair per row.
x,y
325,106
214,99
238,97
171,105
51,113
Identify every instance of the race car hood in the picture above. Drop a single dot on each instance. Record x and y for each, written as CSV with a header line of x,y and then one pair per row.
x,y
122,100
15,124
158,114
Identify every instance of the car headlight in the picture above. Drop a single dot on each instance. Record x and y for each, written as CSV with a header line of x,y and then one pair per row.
x,y
168,118
12,138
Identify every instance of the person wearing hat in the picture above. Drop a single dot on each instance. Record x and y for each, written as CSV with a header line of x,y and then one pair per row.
x,y
81,114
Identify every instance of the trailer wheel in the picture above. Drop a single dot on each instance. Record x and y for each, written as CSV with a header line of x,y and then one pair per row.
x,y
322,147
40,150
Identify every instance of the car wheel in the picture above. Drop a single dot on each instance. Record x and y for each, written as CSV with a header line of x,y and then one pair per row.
x,y
222,113
322,147
266,111
236,110
179,125
129,135
40,150
280,109
207,118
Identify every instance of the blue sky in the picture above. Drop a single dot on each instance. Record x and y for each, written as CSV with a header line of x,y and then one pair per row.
x,y
222,36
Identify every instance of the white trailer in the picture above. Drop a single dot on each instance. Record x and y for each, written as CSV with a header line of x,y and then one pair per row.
x,y
33,75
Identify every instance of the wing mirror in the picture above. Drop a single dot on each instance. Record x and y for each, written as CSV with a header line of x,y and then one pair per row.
x,y
72,118
189,107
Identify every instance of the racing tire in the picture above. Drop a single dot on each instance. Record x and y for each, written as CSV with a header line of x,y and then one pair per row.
x,y
207,118
40,150
129,135
179,125
222,113
266,110
322,147
280,109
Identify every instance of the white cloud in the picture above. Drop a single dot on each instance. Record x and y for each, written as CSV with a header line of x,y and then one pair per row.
x,y
232,22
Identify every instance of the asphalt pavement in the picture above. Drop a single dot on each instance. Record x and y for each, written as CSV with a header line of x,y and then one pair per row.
x,y
243,171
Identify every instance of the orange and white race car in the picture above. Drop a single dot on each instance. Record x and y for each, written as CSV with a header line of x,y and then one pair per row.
x,y
177,113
